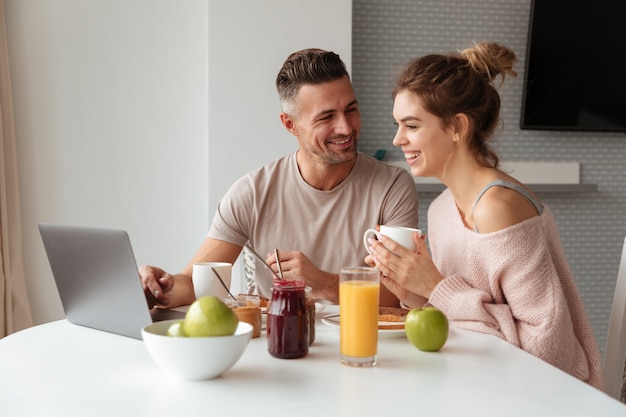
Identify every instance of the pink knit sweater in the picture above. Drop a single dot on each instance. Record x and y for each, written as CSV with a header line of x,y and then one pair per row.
x,y
514,283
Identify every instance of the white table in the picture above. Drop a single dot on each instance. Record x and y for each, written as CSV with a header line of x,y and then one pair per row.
x,y
67,370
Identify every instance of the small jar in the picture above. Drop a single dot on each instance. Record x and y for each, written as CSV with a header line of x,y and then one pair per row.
x,y
288,321
310,306
247,309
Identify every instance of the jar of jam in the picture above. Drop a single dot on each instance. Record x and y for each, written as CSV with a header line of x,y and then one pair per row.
x,y
310,306
288,321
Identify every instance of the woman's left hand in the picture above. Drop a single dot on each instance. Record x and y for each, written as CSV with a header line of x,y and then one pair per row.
x,y
408,274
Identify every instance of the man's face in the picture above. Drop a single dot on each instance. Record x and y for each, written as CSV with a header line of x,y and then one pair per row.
x,y
328,122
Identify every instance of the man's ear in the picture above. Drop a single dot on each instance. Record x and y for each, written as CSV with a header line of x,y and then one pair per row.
x,y
289,123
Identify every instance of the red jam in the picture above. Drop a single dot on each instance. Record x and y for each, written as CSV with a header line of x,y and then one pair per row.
x,y
288,321
310,304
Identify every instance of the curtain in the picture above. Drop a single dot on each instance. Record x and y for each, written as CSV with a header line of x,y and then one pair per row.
x,y
15,313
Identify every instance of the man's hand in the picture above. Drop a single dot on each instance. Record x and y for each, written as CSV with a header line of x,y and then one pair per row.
x,y
295,265
156,284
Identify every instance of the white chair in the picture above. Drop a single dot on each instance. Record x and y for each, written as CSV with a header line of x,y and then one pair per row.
x,y
615,352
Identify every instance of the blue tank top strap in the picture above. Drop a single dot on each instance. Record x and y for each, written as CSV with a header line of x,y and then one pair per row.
x,y
512,186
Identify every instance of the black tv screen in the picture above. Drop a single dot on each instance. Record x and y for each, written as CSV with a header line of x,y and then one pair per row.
x,y
575,75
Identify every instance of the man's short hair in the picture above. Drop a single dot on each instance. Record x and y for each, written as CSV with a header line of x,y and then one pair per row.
x,y
307,66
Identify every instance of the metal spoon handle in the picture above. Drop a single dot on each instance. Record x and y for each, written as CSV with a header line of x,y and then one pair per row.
x,y
223,283
280,270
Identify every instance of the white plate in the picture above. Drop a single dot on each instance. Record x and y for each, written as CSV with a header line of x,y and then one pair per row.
x,y
332,320
318,308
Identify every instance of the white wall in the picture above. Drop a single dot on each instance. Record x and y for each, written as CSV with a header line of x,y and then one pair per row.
x,y
111,102
248,45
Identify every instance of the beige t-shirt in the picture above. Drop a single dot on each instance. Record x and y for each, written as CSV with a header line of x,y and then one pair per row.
x,y
273,207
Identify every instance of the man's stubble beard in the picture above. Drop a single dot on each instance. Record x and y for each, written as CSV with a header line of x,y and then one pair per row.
x,y
332,159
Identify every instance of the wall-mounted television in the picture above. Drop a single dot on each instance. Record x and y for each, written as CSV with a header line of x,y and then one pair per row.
x,y
575,77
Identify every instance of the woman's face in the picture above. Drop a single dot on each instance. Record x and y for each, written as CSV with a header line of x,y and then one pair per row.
x,y
426,144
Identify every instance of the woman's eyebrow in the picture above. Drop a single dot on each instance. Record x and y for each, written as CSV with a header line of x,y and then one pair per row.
x,y
410,119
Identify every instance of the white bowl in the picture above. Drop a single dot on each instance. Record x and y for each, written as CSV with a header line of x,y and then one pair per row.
x,y
195,358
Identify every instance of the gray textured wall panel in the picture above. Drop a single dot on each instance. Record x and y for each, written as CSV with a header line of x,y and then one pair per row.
x,y
593,225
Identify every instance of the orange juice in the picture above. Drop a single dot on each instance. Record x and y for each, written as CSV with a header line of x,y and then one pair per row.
x,y
358,318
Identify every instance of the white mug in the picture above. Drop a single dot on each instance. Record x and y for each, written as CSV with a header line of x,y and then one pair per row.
x,y
206,283
401,235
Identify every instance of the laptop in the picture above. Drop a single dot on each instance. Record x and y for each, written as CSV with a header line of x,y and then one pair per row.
x,y
98,280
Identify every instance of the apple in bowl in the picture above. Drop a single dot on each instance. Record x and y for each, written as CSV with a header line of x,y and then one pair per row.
x,y
207,343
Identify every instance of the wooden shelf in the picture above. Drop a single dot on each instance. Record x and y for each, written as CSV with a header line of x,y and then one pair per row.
x,y
538,188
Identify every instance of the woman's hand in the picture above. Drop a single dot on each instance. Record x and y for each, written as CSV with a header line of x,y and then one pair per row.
x,y
410,275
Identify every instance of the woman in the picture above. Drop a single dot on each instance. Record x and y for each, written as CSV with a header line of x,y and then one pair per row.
x,y
497,264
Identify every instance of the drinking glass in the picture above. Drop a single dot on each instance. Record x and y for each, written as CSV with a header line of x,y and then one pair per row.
x,y
359,289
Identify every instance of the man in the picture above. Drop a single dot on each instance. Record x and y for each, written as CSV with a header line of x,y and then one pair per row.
x,y
314,204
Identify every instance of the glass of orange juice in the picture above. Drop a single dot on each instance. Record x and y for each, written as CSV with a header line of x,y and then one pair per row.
x,y
359,287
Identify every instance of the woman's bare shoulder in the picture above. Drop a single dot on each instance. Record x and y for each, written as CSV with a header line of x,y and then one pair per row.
x,y
500,208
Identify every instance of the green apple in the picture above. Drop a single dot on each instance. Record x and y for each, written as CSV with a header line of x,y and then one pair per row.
x,y
175,330
209,316
426,328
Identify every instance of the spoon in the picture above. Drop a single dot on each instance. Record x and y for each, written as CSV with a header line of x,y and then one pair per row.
x,y
280,270
223,283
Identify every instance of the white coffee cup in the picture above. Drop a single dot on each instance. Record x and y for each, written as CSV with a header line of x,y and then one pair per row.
x,y
205,282
401,235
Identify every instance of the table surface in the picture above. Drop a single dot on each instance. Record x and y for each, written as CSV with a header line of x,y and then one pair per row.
x,y
63,369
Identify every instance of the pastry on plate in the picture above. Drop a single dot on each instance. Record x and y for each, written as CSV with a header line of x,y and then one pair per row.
x,y
391,318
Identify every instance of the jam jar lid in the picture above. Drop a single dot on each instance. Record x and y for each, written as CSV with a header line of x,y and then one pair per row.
x,y
288,284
